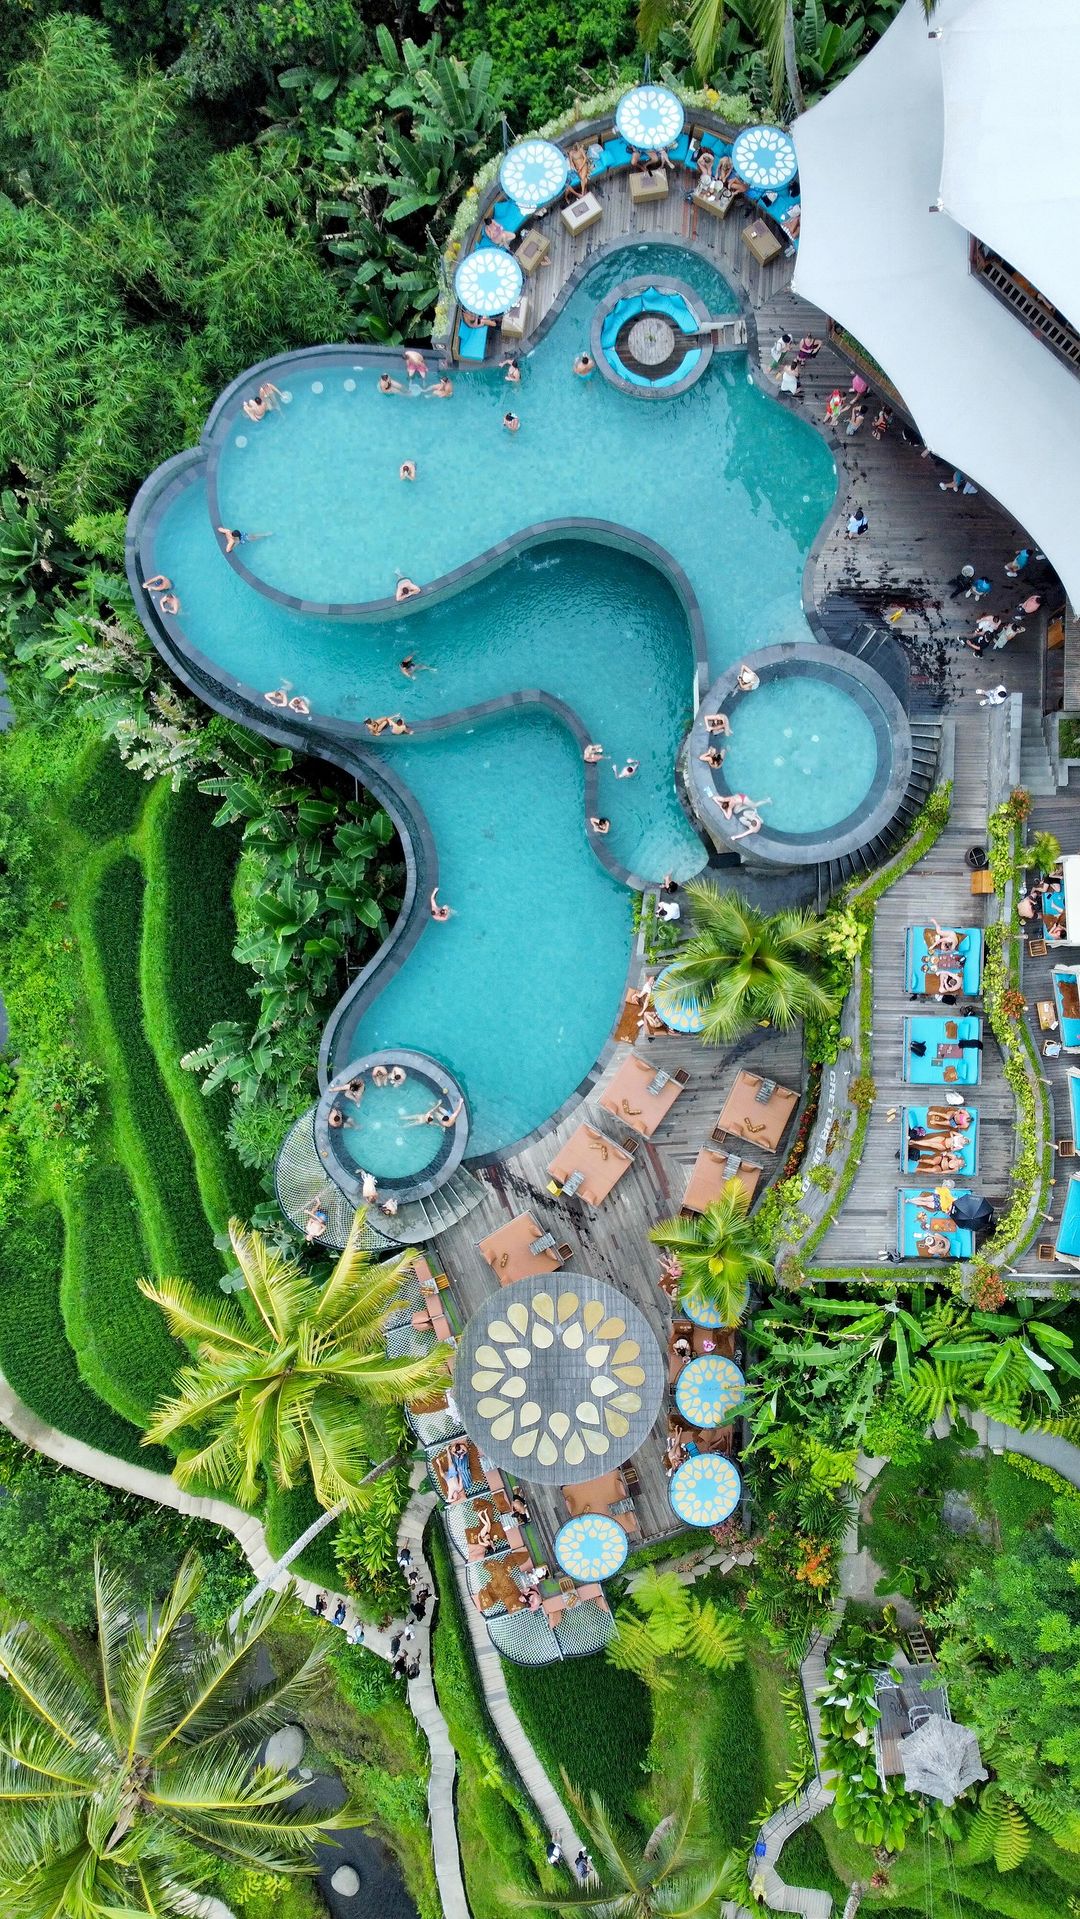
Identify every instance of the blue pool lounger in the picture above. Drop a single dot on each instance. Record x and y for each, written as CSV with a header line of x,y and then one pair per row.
x,y
1067,998
965,1143
940,1065
909,1230
968,959
1067,1245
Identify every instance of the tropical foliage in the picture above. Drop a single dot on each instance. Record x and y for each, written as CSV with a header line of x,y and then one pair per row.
x,y
745,968
120,1788
660,1618
717,1251
824,1364
285,1372
674,1874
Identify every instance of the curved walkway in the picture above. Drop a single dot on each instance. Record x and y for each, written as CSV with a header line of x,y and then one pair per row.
x,y
251,1537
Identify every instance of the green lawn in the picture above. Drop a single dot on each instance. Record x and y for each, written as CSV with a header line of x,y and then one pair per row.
x,y
583,1715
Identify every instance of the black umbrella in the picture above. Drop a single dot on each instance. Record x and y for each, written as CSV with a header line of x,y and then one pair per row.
x,y
971,1209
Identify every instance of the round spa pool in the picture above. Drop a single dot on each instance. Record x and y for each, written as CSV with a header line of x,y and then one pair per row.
x,y
647,339
398,1116
821,746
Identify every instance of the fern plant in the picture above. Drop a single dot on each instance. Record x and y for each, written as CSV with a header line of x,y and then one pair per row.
x,y
661,1619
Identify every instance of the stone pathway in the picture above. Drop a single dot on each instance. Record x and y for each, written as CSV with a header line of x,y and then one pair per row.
x,y
249,1534
489,1665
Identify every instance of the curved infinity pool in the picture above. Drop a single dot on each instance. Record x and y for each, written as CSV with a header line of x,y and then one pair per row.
x,y
518,991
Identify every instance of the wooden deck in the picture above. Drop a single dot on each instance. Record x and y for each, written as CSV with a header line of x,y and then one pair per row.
x,y
896,581
625,224
610,1241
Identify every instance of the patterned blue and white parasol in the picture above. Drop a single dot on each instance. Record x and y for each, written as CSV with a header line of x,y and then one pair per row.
x,y
534,173
592,1546
764,156
704,1490
681,1016
488,281
708,1390
649,117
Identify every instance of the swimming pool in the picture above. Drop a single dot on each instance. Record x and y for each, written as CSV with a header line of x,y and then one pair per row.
x,y
380,1133
811,745
723,478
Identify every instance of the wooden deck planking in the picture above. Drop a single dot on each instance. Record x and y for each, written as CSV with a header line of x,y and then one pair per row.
x,y
611,1241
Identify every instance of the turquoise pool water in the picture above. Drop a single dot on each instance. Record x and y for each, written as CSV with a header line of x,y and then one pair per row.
x,y
729,482
377,1138
518,991
805,745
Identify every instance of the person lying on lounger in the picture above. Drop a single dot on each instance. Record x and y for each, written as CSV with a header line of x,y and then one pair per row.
x,y
940,1162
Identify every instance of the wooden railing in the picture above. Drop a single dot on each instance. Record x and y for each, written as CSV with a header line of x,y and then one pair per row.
x,y
1027,303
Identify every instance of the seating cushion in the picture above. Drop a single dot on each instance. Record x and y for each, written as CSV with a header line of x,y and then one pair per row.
x,y
714,144
472,342
616,153
509,215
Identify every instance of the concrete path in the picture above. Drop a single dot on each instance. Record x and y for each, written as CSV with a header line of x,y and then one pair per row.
x,y
250,1536
548,1804
778,1827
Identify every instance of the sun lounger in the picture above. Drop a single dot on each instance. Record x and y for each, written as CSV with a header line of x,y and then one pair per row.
x,y
944,1062
964,1142
1067,998
712,1172
507,1251
630,1097
745,1116
910,1228
919,944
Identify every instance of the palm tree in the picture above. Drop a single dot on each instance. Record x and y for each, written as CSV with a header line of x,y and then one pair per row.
x,y
774,26
745,968
717,1251
117,1786
674,1875
285,1371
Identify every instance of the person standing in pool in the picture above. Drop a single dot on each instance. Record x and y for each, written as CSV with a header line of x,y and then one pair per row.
x,y
415,364
627,772
511,422
398,1075
387,385
584,365
407,470
593,753
440,913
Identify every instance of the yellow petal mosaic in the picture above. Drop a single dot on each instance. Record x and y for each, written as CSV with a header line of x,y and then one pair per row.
x,y
563,1380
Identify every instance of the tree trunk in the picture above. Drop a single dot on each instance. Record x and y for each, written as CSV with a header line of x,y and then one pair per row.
x,y
312,1532
791,65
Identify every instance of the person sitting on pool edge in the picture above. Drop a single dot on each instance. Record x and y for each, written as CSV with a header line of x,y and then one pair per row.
x,y
405,589
599,824
717,723
438,912
729,803
747,681
398,1075
713,756
593,753
751,820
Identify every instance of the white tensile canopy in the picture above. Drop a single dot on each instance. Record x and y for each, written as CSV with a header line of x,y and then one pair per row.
x,y
878,256
1011,166
941,1760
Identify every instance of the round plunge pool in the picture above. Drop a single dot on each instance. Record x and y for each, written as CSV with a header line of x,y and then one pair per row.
x,y
821,746
397,1116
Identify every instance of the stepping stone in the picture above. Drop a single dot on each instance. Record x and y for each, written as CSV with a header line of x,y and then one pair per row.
x,y
285,1747
346,1881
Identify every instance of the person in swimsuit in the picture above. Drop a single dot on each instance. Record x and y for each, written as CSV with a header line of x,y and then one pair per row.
x,y
169,603
398,1075
438,912
387,385
298,704
233,537
396,723
442,389
748,681
627,772
276,697
593,753
415,363
730,803
407,470
513,371
405,589
933,1246
717,723
582,166
374,727
157,583
584,365
713,756
599,824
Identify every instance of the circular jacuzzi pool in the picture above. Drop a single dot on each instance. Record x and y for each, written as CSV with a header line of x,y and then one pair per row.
x,y
398,1116
647,338
821,747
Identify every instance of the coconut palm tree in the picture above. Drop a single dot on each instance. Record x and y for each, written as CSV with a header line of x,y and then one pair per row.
x,y
717,1251
118,1785
774,29
285,1371
745,968
674,1875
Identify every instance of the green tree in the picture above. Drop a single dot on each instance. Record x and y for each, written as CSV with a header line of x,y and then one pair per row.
x,y
747,968
47,1516
286,1371
117,1788
718,1252
673,1875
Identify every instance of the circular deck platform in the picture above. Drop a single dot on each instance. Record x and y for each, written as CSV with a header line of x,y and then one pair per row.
x,y
645,338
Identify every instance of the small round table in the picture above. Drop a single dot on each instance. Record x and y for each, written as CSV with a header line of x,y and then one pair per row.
x,y
708,1390
705,1490
592,1546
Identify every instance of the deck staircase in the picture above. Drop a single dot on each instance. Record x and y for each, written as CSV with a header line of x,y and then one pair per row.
x,y
421,1219
1036,770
